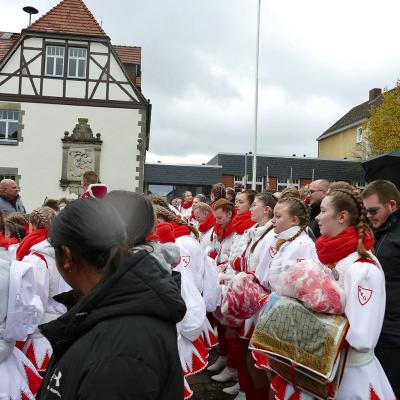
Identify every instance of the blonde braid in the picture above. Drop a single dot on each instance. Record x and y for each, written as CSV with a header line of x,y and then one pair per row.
x,y
17,218
359,221
169,216
41,218
295,206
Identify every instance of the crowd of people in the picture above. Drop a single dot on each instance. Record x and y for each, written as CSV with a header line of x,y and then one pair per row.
x,y
120,295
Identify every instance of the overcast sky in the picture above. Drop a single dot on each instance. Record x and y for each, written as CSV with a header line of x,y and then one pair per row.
x,y
318,59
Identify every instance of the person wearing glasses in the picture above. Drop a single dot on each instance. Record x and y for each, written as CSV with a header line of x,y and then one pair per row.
x,y
316,192
381,200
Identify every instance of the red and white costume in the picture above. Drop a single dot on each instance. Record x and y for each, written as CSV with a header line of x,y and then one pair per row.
x,y
249,261
289,252
47,284
206,229
363,283
18,377
95,191
186,209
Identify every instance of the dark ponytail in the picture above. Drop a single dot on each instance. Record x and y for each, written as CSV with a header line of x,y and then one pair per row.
x,y
93,231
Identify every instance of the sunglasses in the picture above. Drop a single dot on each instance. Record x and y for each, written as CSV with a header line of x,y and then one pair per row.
x,y
372,210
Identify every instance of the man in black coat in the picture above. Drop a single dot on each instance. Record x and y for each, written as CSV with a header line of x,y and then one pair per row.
x,y
381,200
316,192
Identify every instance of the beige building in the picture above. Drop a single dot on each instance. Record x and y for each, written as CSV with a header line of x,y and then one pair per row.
x,y
346,138
70,101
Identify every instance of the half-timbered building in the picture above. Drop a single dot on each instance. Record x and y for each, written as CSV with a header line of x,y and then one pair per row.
x,y
70,101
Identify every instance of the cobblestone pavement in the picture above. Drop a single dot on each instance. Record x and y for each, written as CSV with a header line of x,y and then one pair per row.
x,y
206,389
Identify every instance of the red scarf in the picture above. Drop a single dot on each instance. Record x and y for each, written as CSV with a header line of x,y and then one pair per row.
x,y
187,204
208,223
5,243
331,249
180,230
223,233
242,222
29,241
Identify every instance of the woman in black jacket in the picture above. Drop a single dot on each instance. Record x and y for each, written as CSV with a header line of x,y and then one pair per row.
x,y
119,341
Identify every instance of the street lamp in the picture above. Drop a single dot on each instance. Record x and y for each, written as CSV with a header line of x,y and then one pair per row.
x,y
253,185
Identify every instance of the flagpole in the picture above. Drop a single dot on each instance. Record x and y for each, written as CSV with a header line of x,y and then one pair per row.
x,y
253,185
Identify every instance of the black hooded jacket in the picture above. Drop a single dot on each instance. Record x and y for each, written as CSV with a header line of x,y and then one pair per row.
x,y
119,341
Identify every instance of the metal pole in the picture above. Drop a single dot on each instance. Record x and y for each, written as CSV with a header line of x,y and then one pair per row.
x,y
253,186
245,171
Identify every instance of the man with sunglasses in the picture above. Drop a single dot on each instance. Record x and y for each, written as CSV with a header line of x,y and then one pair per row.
x,y
381,200
316,192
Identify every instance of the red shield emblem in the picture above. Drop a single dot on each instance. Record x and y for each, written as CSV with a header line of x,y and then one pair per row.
x,y
364,295
272,251
185,260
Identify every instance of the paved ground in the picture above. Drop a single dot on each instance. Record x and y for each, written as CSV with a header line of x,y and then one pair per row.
x,y
206,389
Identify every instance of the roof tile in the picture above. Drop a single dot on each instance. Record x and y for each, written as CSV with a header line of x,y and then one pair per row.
x,y
6,44
128,54
68,16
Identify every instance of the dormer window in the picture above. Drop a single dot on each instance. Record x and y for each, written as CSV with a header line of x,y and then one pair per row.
x,y
359,137
55,60
76,62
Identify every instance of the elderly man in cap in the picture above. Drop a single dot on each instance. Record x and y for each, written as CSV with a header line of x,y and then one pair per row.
x,y
9,198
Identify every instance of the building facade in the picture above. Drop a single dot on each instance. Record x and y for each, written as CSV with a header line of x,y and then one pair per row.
x,y
347,138
70,101
273,173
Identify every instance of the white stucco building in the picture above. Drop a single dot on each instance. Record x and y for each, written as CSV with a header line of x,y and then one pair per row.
x,y
60,73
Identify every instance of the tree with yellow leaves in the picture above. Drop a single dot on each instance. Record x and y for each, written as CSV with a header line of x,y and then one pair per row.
x,y
384,123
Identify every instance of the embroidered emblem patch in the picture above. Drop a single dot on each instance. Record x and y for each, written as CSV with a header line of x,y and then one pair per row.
x,y
272,251
364,295
185,260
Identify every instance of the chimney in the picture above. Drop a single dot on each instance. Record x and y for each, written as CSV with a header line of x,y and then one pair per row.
x,y
374,93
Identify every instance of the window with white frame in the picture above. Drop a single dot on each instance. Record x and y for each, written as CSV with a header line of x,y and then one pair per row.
x,y
359,135
9,121
9,173
55,60
282,184
76,62
359,184
238,179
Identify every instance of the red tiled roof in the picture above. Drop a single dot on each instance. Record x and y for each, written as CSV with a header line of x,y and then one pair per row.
x,y
6,44
129,54
69,16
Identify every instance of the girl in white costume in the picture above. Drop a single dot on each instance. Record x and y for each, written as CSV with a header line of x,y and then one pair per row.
x,y
191,345
37,251
18,377
206,221
344,247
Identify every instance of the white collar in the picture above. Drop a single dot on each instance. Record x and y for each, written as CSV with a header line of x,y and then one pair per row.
x,y
289,233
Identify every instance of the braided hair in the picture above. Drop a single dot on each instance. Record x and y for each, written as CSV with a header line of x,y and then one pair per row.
x,y
17,218
269,200
295,207
42,217
156,199
169,216
218,191
14,230
350,200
